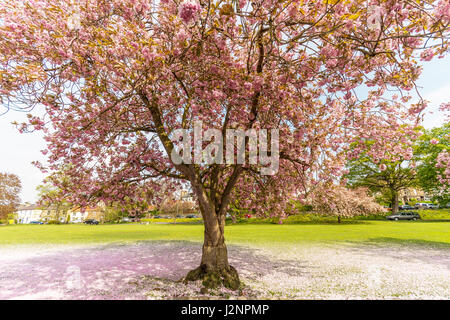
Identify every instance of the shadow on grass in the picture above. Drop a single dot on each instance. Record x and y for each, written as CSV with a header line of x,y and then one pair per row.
x,y
396,242
434,220
412,250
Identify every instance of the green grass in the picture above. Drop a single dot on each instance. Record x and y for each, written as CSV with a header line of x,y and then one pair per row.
x,y
177,220
441,214
419,232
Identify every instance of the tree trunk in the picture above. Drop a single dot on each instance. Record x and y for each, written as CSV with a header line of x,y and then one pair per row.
x,y
214,269
394,202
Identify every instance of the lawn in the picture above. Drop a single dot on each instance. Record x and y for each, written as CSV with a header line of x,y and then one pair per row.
x,y
442,214
298,260
419,232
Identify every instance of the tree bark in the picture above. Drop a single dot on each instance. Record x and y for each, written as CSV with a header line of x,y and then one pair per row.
x,y
214,269
394,202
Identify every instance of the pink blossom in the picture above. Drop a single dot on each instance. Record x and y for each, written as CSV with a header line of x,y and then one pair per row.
x,y
427,55
242,3
340,201
189,10
434,141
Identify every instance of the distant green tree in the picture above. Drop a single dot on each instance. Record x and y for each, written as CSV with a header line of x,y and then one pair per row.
x,y
112,214
428,147
51,197
386,178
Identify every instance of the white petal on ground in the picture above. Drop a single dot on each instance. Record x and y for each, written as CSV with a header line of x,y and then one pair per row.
x,y
151,270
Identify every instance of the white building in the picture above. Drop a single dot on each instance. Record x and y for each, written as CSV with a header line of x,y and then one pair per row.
x,y
187,196
78,217
28,213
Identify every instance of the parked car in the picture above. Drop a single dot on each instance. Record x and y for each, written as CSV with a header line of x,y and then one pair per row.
x,y
405,207
433,206
409,215
179,216
90,221
191,216
157,217
422,205
36,222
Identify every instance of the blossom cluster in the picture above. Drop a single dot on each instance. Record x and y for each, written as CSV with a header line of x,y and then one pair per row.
x,y
116,87
189,10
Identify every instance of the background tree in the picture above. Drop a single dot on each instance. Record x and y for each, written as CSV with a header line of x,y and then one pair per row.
x,y
236,211
175,207
51,197
387,178
431,151
337,200
114,213
10,187
118,77
135,206
383,177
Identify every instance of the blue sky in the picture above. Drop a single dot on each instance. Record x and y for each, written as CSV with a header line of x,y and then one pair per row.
x,y
19,150
435,87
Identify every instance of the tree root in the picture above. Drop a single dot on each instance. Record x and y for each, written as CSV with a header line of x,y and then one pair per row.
x,y
213,278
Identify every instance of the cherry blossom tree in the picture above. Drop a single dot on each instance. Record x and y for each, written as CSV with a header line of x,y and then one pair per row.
x,y
443,165
118,77
337,200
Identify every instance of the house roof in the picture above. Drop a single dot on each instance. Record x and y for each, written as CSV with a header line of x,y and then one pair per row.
x,y
51,207
29,207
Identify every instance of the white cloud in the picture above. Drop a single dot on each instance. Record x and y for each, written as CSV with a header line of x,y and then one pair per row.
x,y
18,151
434,117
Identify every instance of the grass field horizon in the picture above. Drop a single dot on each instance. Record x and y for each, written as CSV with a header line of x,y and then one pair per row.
x,y
402,232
